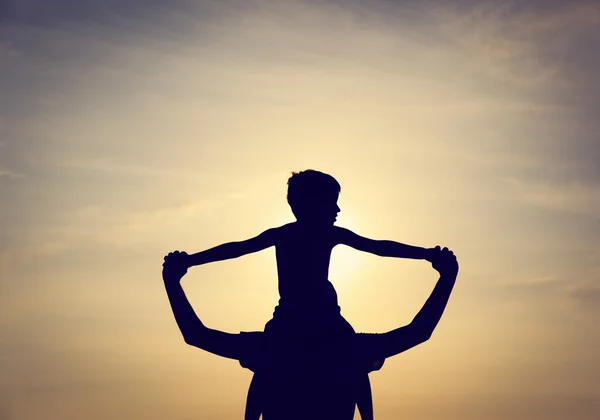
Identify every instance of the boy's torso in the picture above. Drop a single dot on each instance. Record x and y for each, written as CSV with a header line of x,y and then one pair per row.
x,y
303,257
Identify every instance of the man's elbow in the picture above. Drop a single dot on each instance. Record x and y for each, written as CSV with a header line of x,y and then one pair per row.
x,y
188,340
421,333
192,340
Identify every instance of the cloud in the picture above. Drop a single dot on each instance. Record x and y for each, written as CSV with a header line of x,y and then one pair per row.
x,y
567,278
535,281
572,198
528,48
94,226
60,12
588,296
524,287
7,173
124,169
585,289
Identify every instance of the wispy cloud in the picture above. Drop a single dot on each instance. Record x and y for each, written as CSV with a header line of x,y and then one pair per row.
x,y
585,288
95,226
573,198
7,173
105,166
61,12
588,296
526,47
534,281
569,278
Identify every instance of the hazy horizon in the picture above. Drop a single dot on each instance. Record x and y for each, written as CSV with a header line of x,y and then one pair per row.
x,y
130,129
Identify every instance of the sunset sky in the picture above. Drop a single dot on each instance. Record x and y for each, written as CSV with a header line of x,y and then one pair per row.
x,y
132,128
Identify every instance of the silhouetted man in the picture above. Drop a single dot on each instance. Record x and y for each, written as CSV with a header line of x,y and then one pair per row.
x,y
318,377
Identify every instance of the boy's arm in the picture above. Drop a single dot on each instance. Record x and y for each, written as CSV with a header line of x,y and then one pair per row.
x,y
381,248
233,249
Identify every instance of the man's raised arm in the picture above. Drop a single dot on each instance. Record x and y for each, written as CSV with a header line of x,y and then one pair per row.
x,y
194,332
424,323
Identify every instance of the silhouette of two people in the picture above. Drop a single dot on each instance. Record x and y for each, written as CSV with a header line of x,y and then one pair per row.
x,y
309,362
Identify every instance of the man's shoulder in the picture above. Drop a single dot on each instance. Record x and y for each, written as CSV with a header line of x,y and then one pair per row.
x,y
260,351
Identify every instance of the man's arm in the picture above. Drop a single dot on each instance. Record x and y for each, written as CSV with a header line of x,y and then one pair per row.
x,y
381,248
233,249
424,323
194,332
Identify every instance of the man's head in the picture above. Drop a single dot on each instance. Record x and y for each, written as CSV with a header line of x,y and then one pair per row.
x,y
313,195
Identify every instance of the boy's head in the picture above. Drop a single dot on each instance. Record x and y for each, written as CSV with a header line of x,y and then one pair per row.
x,y
313,195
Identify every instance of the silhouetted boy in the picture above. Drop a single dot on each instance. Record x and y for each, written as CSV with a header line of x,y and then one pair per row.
x,y
308,302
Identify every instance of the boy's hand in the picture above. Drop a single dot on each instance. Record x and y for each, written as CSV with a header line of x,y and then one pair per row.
x,y
180,258
174,267
444,261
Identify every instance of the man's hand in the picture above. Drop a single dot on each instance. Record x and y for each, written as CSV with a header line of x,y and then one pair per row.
x,y
444,261
180,258
174,267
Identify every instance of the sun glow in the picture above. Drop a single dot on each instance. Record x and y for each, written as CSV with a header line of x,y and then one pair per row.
x,y
344,263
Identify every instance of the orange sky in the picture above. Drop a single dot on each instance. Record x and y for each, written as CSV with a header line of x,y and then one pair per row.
x,y
128,132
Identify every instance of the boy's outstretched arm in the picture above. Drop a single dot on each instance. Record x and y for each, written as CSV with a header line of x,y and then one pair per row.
x,y
233,249
381,248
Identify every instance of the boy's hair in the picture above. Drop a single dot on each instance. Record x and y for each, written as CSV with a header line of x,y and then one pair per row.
x,y
305,186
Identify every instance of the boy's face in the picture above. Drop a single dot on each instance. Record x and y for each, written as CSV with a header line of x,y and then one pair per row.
x,y
322,210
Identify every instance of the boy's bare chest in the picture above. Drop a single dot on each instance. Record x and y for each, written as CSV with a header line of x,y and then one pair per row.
x,y
304,249
303,255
